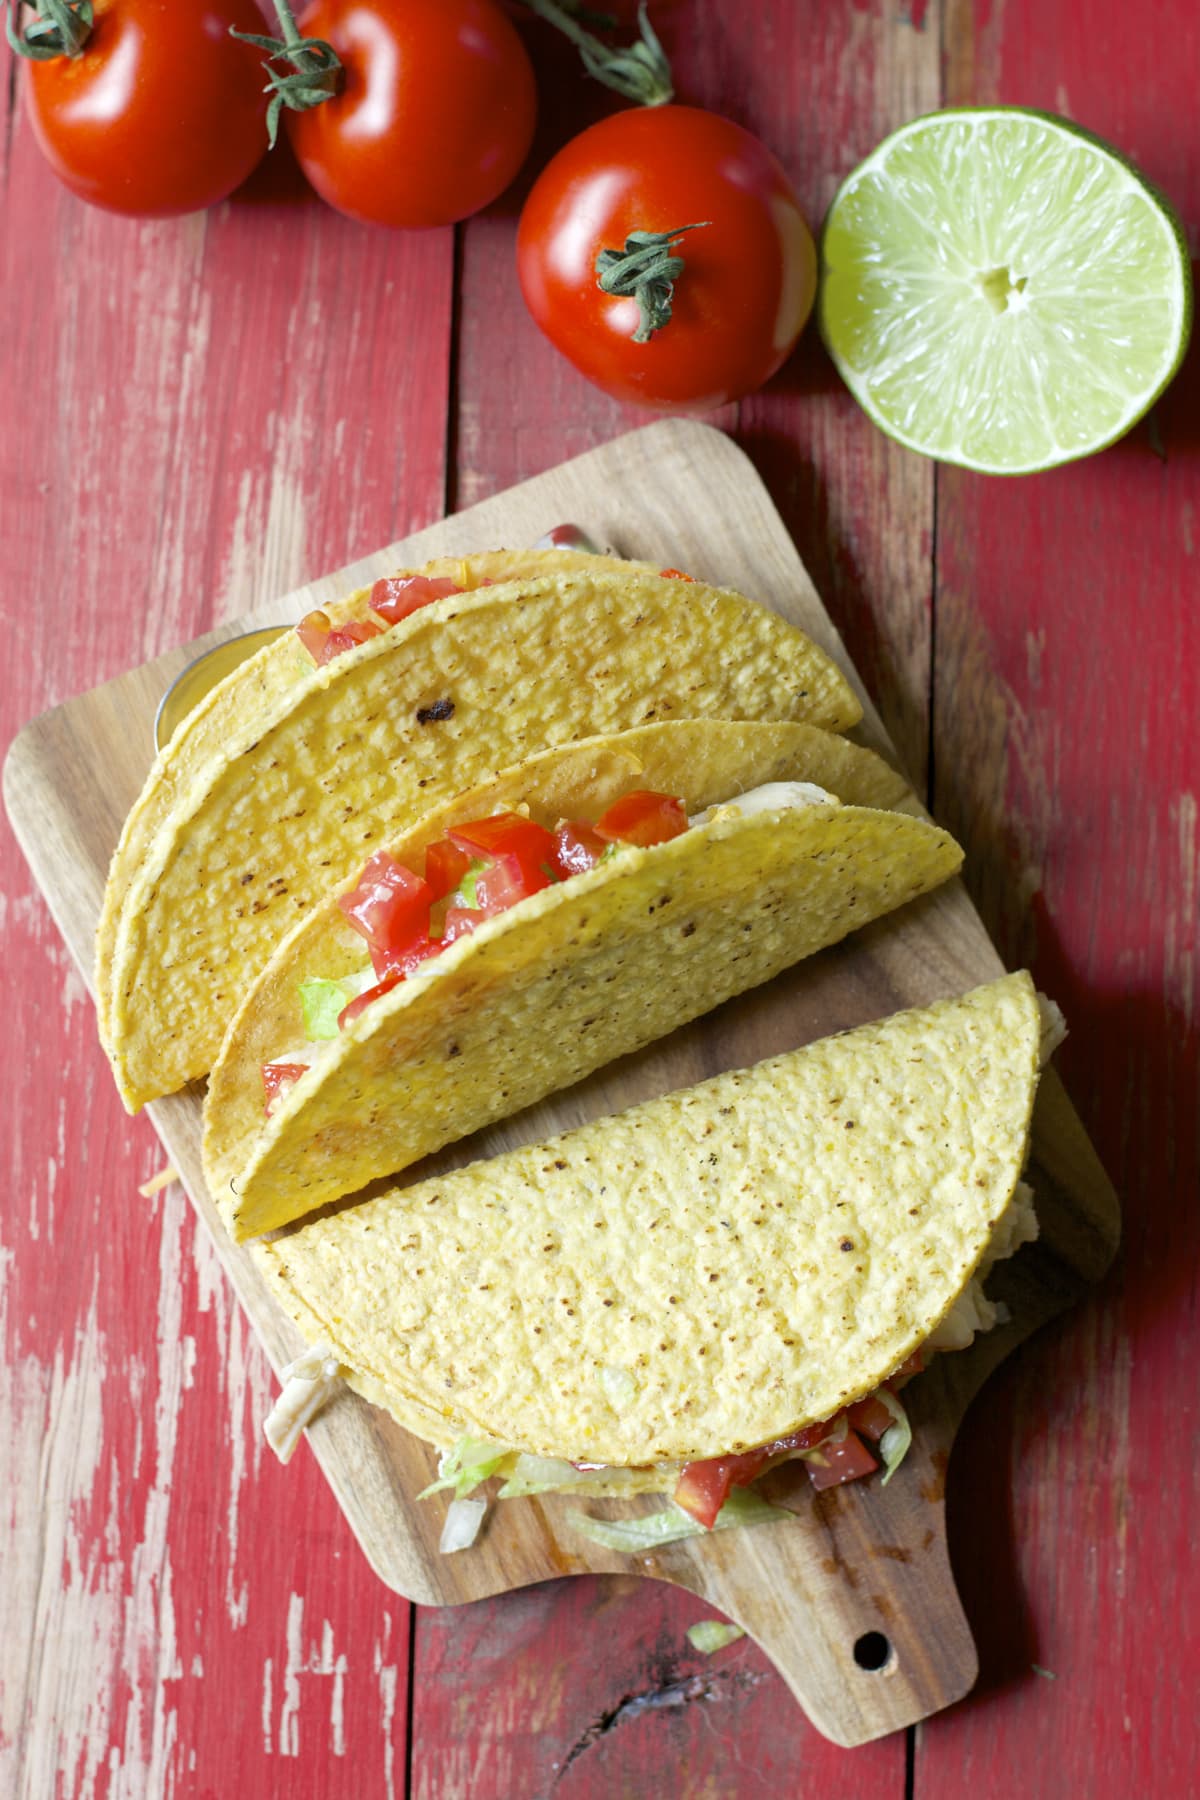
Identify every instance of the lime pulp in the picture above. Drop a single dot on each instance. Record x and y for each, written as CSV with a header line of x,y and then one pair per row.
x,y
1001,290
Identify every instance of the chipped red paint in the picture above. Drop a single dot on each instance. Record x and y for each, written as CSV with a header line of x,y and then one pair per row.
x,y
1069,665
212,409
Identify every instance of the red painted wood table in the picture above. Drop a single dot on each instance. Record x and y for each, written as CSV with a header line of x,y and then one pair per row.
x,y
199,414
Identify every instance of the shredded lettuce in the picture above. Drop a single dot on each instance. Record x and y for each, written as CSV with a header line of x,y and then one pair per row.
x,y
542,1475
321,1002
653,1530
470,1462
895,1443
465,894
712,1634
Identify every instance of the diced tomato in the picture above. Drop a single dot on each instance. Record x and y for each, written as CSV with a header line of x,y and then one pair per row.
x,y
806,1438
911,1367
361,1001
391,966
313,632
323,643
703,1487
503,834
390,905
870,1416
402,962
445,866
500,884
577,848
848,1460
460,921
396,596
643,818
675,575
277,1078
518,859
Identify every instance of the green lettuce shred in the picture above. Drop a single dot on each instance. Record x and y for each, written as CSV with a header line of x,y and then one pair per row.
x,y
712,1634
470,1462
465,894
896,1441
321,1002
653,1530
540,1475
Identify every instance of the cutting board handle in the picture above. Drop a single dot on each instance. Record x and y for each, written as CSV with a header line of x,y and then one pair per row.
x,y
870,1635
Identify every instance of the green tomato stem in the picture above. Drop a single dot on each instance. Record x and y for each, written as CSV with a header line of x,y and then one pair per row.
x,y
646,270
639,71
313,71
61,28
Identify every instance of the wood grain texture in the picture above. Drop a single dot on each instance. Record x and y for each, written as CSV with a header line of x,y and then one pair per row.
x,y
1067,757
197,413
794,1587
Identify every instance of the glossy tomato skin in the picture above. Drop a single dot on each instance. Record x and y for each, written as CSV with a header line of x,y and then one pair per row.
x,y
435,114
750,275
162,112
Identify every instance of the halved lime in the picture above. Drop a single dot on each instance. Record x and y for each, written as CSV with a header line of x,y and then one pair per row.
x,y
1001,290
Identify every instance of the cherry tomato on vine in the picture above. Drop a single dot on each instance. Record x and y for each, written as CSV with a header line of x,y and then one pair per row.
x,y
160,111
433,114
721,202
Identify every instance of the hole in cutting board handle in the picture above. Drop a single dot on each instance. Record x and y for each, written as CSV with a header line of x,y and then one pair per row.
x,y
873,1652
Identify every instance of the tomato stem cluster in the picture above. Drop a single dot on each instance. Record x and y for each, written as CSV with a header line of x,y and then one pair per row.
x,y
314,75
646,270
639,71
61,28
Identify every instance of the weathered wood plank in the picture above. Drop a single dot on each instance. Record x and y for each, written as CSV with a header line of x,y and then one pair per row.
x,y
197,413
1067,759
590,1687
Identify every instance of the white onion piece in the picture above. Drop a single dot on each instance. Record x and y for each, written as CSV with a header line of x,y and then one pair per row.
x,y
463,1520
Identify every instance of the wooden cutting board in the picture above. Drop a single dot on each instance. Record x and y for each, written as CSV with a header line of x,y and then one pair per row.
x,y
853,1598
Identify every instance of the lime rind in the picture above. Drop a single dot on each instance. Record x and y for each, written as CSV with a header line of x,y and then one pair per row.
x,y
1002,290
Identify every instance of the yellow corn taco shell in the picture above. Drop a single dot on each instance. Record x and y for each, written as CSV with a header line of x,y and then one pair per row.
x,y
358,749
703,1273
570,978
230,711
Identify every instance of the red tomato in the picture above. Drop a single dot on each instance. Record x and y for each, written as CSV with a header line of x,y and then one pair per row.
x,y
389,906
434,116
395,597
361,1001
870,1416
460,921
643,818
518,859
277,1078
161,112
849,1460
503,834
500,884
703,1487
749,277
323,643
445,866
577,848
675,575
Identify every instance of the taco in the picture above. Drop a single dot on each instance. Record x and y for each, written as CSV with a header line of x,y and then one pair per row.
x,y
569,911
358,746
249,694
682,1296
